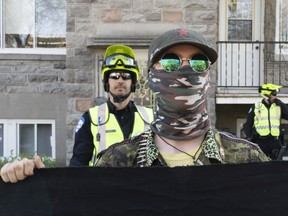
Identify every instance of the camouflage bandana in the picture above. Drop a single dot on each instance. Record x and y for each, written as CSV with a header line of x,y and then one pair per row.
x,y
181,103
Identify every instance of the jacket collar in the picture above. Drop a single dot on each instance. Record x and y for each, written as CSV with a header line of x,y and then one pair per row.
x,y
112,107
148,153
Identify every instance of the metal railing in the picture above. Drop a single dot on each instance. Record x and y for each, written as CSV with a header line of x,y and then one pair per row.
x,y
250,64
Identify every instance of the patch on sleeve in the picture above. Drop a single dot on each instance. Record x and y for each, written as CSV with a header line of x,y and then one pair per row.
x,y
80,124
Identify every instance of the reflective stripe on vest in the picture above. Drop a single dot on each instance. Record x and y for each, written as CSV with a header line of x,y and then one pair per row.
x,y
267,121
107,129
101,128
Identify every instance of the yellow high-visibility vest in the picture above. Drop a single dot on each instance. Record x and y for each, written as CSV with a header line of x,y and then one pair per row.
x,y
267,121
106,130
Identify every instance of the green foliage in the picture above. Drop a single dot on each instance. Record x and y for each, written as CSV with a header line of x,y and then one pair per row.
x,y
49,162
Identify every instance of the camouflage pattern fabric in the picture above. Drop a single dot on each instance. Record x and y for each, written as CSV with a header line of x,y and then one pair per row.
x,y
218,147
181,103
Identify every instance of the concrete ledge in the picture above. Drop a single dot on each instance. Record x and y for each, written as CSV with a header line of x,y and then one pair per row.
x,y
133,41
134,34
243,98
33,57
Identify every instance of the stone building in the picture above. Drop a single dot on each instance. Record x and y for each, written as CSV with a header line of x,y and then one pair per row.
x,y
47,81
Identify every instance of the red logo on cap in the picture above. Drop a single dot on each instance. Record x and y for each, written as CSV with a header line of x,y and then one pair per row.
x,y
182,32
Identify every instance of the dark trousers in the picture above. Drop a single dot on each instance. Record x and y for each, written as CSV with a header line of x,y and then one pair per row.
x,y
269,145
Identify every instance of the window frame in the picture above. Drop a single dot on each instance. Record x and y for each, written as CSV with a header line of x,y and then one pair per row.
x,y
35,50
251,20
11,135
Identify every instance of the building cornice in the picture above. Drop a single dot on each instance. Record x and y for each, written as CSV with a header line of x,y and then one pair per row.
x,y
135,42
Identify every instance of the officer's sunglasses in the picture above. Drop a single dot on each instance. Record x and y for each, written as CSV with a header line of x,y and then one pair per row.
x,y
117,75
115,59
274,93
171,62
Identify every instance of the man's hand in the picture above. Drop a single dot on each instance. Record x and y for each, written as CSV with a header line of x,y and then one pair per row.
x,y
19,170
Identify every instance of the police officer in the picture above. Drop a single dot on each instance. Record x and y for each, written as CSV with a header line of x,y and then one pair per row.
x,y
264,119
118,118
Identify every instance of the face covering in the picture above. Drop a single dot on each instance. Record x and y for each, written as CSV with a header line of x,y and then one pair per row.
x,y
181,103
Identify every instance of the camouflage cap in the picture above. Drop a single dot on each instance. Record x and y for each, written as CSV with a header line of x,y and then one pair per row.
x,y
177,37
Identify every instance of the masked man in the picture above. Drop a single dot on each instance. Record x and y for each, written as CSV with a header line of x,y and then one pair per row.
x,y
181,133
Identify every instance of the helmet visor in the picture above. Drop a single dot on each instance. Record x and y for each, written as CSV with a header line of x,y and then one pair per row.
x,y
120,59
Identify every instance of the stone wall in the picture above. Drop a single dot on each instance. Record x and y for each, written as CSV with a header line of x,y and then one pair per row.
x,y
21,73
33,87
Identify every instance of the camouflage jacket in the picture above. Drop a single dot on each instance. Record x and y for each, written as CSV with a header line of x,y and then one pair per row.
x,y
218,147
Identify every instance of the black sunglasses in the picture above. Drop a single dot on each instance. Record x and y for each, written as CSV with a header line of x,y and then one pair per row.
x,y
117,75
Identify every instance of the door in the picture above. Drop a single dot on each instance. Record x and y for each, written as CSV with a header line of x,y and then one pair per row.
x,y
240,50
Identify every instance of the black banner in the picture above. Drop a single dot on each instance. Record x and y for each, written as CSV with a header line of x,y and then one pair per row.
x,y
244,189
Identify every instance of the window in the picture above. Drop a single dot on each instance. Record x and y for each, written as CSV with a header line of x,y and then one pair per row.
x,y
27,137
240,20
33,26
281,33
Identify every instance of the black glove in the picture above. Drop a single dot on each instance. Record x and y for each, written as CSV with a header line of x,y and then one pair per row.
x,y
277,102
